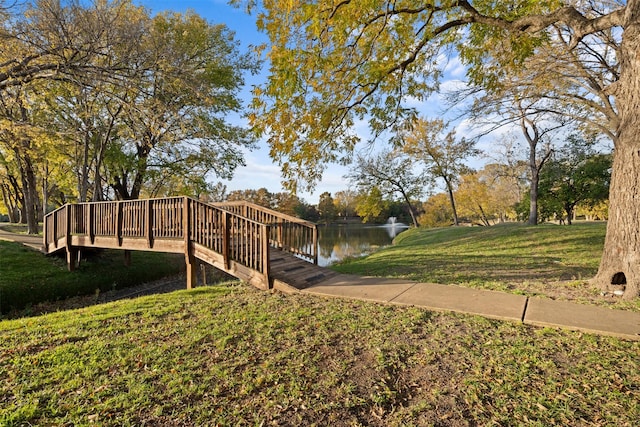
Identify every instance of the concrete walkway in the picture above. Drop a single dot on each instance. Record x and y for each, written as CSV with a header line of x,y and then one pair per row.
x,y
491,304
32,241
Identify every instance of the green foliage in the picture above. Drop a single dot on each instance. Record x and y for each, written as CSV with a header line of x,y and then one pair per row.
x,y
370,205
390,173
575,175
284,202
442,154
333,65
346,203
491,52
327,208
108,98
437,211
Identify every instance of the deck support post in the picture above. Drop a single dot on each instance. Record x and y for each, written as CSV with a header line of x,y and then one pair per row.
x,y
226,232
148,221
266,267
72,255
119,222
127,258
314,250
192,271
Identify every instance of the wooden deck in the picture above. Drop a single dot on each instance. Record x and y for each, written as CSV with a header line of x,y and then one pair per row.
x,y
289,271
252,243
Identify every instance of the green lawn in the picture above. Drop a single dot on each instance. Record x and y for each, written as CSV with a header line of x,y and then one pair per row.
x,y
235,356
509,253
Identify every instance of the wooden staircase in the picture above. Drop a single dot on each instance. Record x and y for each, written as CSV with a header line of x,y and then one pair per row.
x,y
240,238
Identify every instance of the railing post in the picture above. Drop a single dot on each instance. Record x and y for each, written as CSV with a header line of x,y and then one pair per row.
x,y
90,231
55,230
314,250
149,223
266,263
226,224
188,252
44,234
280,243
119,222
71,262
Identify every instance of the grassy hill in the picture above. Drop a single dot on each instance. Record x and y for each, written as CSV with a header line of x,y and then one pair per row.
x,y
546,260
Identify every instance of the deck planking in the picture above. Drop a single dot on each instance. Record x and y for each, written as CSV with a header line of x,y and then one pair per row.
x,y
289,272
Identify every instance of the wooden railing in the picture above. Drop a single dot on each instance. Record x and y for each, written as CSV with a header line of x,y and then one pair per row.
x,y
236,238
238,234
288,233
149,219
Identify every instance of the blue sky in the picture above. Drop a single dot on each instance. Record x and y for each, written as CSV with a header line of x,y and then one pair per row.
x,y
260,171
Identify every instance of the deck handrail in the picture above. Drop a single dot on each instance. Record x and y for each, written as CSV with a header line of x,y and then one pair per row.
x,y
239,236
288,233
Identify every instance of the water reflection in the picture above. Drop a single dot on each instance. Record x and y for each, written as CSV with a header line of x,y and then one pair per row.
x,y
336,242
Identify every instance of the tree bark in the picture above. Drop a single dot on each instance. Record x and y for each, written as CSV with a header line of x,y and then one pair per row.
x,y
411,209
29,189
452,201
620,264
533,190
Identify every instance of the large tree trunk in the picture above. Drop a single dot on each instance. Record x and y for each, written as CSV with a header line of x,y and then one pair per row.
x,y
620,265
30,190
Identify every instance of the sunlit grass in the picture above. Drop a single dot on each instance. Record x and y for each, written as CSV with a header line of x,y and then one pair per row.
x,y
233,355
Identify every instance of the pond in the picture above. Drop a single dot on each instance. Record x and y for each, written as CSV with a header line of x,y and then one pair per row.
x,y
336,242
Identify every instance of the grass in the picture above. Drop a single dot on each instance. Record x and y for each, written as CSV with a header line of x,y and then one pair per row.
x,y
546,261
28,278
511,252
232,355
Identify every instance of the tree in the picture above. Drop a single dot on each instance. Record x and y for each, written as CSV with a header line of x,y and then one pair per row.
x,y
370,205
475,199
443,156
21,137
307,212
530,112
326,207
437,211
576,174
333,64
261,197
287,203
72,40
535,137
346,201
505,188
389,172
87,120
175,119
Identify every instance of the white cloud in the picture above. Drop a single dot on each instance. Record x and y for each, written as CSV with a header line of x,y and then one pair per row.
x,y
454,68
